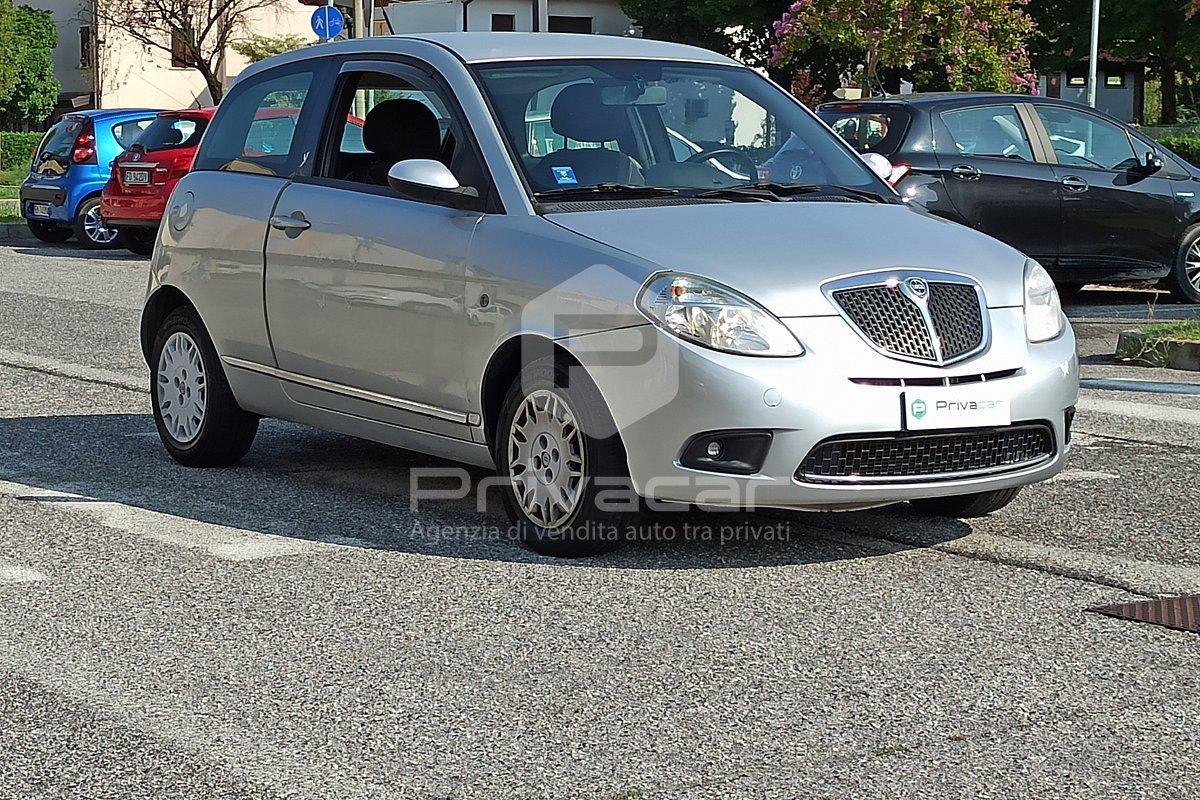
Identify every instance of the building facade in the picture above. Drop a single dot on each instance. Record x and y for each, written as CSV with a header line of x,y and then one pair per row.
x,y
563,16
1120,87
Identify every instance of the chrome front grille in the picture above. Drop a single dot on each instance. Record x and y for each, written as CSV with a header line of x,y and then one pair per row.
x,y
925,317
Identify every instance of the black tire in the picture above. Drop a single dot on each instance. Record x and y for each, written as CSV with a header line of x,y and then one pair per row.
x,y
588,529
87,209
967,505
139,241
1069,292
225,431
1177,282
48,231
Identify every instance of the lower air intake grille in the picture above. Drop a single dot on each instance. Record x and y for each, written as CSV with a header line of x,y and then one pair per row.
x,y
914,458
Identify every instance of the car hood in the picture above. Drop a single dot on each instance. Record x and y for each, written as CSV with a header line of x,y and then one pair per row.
x,y
780,253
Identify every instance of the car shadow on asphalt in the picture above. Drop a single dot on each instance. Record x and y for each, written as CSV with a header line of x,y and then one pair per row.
x,y
301,483
72,250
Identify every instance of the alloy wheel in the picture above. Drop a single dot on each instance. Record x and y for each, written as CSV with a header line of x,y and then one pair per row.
x,y
546,459
182,386
1192,264
94,228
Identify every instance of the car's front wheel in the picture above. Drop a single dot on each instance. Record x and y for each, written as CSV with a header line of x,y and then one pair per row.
x,y
565,479
1184,281
48,231
198,419
139,241
90,229
963,506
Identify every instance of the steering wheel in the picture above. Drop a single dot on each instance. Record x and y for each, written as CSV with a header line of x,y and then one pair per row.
x,y
746,163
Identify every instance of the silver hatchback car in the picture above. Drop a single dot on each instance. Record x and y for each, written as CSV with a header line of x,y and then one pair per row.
x,y
617,271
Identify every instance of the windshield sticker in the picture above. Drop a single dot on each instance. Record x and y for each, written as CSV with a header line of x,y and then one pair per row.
x,y
565,176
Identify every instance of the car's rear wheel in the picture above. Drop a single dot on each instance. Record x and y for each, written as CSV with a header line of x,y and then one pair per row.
x,y
198,419
562,462
1184,281
979,504
48,231
138,240
90,229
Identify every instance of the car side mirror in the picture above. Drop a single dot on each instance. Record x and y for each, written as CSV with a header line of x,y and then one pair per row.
x,y
878,164
1152,163
430,181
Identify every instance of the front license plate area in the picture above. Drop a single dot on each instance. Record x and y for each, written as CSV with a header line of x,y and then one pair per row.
x,y
944,408
137,177
39,209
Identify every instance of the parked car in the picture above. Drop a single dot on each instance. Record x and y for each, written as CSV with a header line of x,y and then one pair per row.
x,y
1089,197
143,176
61,195
598,316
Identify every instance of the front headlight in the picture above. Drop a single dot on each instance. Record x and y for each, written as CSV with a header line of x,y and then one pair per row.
x,y
709,314
1043,312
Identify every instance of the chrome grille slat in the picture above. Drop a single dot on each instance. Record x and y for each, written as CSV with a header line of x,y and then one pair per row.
x,y
955,311
889,319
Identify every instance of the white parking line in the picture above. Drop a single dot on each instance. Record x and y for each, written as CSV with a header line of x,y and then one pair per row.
x,y
67,369
1143,411
15,573
219,541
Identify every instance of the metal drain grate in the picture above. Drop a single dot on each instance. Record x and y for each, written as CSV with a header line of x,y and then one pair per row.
x,y
1180,613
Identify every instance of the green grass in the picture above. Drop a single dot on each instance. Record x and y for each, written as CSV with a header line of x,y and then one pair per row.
x,y
9,192
1184,330
15,176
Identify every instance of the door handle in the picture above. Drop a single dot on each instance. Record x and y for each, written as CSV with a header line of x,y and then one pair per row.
x,y
966,172
1074,184
292,224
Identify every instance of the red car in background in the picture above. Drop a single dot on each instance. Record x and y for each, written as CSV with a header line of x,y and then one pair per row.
x,y
135,198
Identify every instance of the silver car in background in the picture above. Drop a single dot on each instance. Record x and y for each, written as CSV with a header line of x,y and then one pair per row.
x,y
516,265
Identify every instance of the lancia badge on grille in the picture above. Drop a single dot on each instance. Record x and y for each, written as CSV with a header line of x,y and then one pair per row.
x,y
918,287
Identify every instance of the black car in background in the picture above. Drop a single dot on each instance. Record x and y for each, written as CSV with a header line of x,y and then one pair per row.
x,y
1089,197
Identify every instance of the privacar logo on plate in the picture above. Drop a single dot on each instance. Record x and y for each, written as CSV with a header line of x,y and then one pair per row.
x,y
918,408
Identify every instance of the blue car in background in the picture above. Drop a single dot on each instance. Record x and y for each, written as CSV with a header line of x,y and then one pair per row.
x,y
61,196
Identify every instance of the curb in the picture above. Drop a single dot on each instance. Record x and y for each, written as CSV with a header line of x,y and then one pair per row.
x,y
15,232
1137,348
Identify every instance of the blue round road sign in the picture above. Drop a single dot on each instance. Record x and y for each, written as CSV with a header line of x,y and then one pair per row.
x,y
328,22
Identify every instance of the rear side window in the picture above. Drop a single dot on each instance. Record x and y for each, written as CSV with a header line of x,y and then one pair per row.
x,y
168,132
994,131
255,130
868,130
126,133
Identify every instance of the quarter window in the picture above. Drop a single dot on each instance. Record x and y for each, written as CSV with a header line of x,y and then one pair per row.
x,y
1081,140
994,131
255,130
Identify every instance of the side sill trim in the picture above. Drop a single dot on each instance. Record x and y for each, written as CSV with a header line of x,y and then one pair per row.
x,y
460,417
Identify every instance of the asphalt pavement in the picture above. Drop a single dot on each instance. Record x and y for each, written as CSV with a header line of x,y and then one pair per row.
x,y
291,628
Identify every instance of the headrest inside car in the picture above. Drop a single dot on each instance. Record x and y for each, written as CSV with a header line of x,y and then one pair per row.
x,y
578,113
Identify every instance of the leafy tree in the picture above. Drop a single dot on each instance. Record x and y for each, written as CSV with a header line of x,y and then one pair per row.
x,y
739,28
196,32
255,48
31,52
8,48
1165,34
978,44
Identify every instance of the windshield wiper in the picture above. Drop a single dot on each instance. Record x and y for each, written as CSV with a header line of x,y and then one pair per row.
x,y
604,190
782,191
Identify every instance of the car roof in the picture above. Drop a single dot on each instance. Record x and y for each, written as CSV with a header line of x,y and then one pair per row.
x,y
205,112
474,47
948,98
104,113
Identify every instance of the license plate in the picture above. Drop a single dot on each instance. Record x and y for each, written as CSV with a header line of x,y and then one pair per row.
x,y
39,209
968,407
136,177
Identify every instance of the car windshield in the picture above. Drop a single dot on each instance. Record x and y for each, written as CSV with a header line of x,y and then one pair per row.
x,y
636,126
169,132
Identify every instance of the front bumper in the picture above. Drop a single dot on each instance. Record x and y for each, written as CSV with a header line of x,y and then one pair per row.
x,y
684,390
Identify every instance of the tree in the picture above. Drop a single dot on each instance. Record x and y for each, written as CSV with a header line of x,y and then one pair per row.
x,y
979,44
255,48
196,33
1164,34
8,48
739,28
31,52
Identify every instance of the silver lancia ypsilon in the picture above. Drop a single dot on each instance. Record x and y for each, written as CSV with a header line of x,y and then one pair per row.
x,y
617,271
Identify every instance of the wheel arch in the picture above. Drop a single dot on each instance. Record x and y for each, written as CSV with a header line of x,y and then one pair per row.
x,y
165,299
504,366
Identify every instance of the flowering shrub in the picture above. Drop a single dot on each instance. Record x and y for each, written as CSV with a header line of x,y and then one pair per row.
x,y
979,43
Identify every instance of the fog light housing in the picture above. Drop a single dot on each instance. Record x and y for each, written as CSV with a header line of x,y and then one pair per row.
x,y
730,452
1068,418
